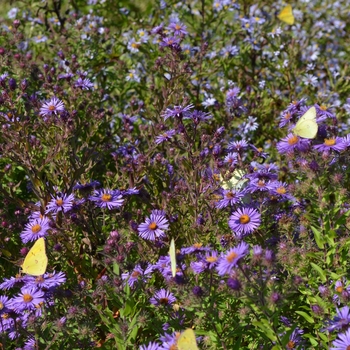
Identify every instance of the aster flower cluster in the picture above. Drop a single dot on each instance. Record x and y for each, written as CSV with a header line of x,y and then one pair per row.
x,y
35,295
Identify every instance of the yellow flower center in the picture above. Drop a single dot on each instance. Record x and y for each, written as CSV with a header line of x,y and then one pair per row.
x,y
27,298
135,274
142,33
261,183
135,45
164,301
287,116
1,305
339,289
323,107
330,142
39,279
281,190
293,140
244,219
152,226
230,195
290,344
197,245
106,197
59,202
51,108
257,19
211,259
36,228
5,316
177,27
232,256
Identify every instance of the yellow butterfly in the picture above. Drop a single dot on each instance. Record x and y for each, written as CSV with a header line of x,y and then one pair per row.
x,y
187,340
236,182
172,253
35,262
286,15
307,126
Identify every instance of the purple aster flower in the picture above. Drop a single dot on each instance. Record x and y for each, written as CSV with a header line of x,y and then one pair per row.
x,y
230,259
177,111
4,305
340,321
169,341
170,41
30,344
130,191
197,116
257,185
166,136
198,266
237,146
177,28
285,118
150,346
231,197
84,84
346,140
27,299
53,106
87,186
231,159
107,198
333,143
293,143
295,339
342,342
154,226
323,113
244,221
280,190
162,298
62,202
48,280
18,280
138,274
35,229
195,248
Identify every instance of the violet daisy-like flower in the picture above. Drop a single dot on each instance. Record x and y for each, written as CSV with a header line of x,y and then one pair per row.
x,y
18,280
35,229
237,146
84,84
230,259
244,221
231,197
169,41
48,280
295,339
4,304
333,143
154,226
162,298
340,321
166,136
27,299
293,143
177,28
342,342
231,159
107,198
138,274
53,106
150,346
176,111
62,202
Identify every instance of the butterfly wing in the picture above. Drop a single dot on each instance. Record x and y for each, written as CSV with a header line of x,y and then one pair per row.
x,y
286,15
310,114
172,253
187,340
236,182
35,262
307,126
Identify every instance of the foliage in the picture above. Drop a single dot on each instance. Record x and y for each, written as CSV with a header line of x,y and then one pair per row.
x,y
125,124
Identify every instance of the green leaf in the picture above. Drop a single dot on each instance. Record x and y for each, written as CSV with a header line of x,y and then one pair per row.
x,y
319,271
307,317
318,239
